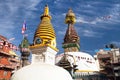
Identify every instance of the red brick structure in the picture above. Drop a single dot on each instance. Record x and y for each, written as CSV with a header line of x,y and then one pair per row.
x,y
8,59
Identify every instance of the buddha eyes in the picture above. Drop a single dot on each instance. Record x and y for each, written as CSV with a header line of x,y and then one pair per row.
x,y
38,41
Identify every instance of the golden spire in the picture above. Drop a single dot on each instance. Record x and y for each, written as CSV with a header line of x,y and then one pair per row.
x,y
70,17
46,12
45,34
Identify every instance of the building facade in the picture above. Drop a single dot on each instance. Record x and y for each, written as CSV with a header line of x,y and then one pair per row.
x,y
8,59
109,62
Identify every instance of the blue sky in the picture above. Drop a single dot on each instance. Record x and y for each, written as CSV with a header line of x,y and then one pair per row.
x,y
98,21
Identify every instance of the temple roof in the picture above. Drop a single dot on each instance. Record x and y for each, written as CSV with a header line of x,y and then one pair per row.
x,y
24,47
24,43
71,35
45,34
3,38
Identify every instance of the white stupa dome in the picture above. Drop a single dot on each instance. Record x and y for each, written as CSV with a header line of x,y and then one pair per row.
x,y
41,72
84,61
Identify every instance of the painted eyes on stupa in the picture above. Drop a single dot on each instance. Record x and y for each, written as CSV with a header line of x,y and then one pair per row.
x,y
38,41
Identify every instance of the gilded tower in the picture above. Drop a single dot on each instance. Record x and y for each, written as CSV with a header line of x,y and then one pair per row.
x,y
44,42
71,39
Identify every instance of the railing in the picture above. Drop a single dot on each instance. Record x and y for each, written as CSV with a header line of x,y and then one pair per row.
x,y
3,52
116,61
7,66
104,56
15,60
117,68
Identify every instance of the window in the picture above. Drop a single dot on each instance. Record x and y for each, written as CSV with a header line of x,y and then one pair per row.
x,y
117,53
5,73
39,58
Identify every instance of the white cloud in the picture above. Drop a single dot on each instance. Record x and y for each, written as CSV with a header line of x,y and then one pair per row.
x,y
61,32
85,21
33,3
56,1
81,20
64,14
115,14
90,33
11,11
